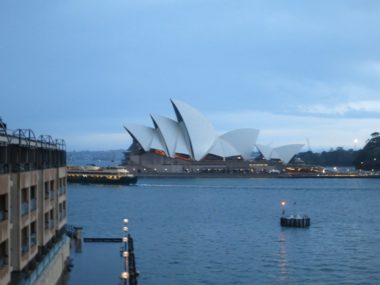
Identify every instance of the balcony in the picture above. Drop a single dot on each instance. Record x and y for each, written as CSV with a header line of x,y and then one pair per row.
x,y
3,215
24,208
61,191
24,248
3,261
47,259
33,239
33,204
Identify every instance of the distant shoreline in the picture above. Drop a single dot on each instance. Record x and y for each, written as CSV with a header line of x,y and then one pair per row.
x,y
269,176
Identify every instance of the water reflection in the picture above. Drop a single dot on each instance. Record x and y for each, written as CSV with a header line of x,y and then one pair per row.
x,y
282,257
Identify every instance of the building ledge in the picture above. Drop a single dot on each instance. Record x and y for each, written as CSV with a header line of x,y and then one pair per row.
x,y
5,274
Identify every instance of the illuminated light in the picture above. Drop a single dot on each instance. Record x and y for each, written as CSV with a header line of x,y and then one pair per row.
x,y
125,254
125,239
125,229
124,275
283,203
125,221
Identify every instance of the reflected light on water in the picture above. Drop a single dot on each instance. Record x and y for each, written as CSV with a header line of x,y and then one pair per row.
x,y
282,257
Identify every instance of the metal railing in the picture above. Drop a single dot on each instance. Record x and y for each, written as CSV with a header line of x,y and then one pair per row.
x,y
3,261
26,137
24,248
33,204
24,208
41,267
62,190
3,215
33,239
51,195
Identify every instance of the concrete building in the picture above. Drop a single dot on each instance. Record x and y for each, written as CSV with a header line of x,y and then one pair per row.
x,y
33,208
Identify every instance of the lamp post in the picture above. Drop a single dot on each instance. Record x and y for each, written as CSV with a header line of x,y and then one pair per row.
x,y
125,274
283,203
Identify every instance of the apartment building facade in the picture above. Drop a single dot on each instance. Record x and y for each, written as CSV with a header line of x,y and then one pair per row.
x,y
33,207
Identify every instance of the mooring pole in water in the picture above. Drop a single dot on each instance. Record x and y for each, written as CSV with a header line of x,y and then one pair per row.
x,y
133,273
125,274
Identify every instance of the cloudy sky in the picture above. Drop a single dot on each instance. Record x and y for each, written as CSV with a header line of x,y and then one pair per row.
x,y
296,70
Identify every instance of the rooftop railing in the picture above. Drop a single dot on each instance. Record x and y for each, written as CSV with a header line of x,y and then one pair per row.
x,y
26,137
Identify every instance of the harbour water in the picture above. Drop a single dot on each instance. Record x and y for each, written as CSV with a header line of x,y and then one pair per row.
x,y
216,231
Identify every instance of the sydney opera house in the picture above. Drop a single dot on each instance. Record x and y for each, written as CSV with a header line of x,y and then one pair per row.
x,y
191,144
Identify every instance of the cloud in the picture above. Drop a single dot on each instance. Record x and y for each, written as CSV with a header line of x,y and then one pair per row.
x,y
277,129
359,107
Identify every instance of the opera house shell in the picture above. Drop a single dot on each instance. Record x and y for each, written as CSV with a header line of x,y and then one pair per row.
x,y
192,137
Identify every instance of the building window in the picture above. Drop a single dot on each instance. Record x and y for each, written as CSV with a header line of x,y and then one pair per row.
x,y
60,213
24,241
51,220
33,234
62,186
46,219
46,190
24,201
64,209
3,207
51,189
3,254
33,198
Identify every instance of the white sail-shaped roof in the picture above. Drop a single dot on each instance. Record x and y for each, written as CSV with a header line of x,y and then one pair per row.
x,y
286,152
265,150
194,135
183,145
148,138
168,129
201,134
158,142
171,134
243,140
223,148
142,134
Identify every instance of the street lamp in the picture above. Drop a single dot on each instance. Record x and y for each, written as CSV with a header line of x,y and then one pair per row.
x,y
283,204
125,254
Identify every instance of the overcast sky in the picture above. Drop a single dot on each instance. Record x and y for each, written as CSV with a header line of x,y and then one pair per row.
x,y
296,70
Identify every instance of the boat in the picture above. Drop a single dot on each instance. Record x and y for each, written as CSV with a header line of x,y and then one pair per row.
x,y
100,175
